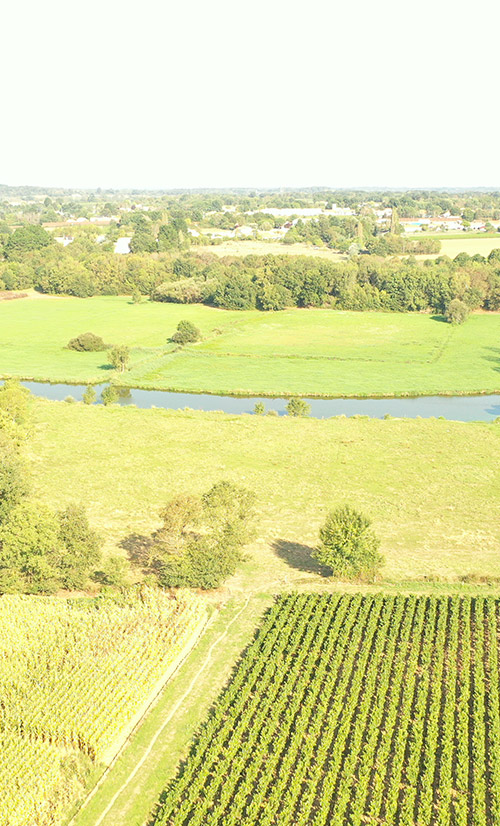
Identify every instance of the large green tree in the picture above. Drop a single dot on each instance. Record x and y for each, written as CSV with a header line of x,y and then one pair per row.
x,y
348,544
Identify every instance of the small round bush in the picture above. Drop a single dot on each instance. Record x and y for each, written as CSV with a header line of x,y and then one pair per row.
x,y
87,342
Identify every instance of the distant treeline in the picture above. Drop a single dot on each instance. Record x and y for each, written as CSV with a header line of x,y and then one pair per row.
x,y
266,282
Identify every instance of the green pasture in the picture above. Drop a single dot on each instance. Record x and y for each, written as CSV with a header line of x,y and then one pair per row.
x,y
302,352
432,487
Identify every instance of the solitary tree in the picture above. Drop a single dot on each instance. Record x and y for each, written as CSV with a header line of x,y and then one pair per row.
x,y
119,357
259,408
457,312
348,545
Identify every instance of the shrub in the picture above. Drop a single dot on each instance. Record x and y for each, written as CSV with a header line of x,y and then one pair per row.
x,y
16,401
349,547
110,395
88,343
186,333
259,408
298,407
457,312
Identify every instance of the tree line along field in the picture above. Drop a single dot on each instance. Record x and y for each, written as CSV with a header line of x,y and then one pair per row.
x,y
353,710
72,675
431,487
292,352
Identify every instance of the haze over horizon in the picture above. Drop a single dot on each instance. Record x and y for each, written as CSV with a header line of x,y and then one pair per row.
x,y
207,96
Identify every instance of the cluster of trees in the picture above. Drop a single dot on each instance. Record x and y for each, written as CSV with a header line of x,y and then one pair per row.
x,y
200,542
41,550
362,283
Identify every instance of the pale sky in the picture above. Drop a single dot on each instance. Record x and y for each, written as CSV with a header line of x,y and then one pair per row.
x,y
220,93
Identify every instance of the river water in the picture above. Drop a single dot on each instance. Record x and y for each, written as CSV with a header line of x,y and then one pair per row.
x,y
456,408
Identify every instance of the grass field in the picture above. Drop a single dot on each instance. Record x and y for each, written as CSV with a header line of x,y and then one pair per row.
x,y
432,487
303,352
452,246
242,248
349,711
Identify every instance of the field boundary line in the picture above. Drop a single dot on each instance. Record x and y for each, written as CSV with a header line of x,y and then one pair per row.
x,y
170,715
135,723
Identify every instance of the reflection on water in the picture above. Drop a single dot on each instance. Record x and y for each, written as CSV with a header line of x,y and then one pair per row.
x,y
458,408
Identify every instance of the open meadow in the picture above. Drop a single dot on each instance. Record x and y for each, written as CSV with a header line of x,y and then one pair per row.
x,y
253,247
291,352
432,487
461,243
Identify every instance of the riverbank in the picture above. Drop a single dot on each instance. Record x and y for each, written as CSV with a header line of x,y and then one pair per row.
x,y
463,408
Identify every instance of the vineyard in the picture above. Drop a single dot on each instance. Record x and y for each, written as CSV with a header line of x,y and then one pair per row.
x,y
353,710
72,675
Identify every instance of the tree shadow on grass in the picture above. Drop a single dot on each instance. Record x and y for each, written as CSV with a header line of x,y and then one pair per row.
x,y
440,318
494,357
298,556
139,549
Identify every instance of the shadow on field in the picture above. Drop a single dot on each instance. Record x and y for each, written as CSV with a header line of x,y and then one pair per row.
x,y
441,318
494,357
298,556
138,548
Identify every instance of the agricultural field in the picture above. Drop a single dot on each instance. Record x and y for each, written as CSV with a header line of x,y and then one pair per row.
x,y
478,245
292,352
253,247
431,487
74,675
353,710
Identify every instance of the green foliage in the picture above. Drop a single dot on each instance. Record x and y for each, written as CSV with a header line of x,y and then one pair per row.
x,y
16,400
352,709
200,542
89,395
110,395
186,333
298,407
457,312
26,239
30,550
14,476
81,546
119,357
88,343
41,551
349,547
136,297
114,572
235,292
259,408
